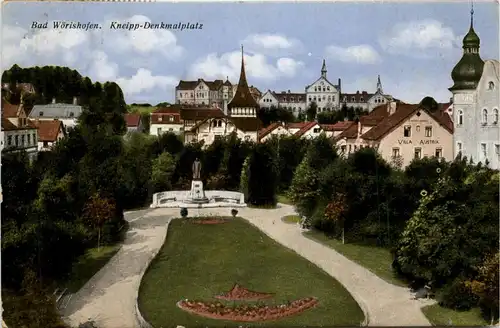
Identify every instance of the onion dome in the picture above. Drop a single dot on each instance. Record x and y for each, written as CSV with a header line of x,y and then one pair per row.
x,y
468,71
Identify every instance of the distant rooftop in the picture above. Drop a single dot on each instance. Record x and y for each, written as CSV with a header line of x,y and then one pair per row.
x,y
56,111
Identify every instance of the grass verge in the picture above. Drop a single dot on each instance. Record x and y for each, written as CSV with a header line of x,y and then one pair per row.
x,y
284,200
376,259
201,261
440,316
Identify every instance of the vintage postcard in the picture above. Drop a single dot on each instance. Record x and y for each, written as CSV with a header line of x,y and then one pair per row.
x,y
240,164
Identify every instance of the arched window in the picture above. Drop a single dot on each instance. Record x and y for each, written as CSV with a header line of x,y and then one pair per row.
x,y
491,85
219,123
485,116
495,115
460,117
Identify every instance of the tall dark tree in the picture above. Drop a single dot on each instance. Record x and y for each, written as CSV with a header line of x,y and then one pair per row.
x,y
311,112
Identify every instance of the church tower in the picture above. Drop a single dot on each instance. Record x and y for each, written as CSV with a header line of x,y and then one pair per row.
x,y
243,103
466,115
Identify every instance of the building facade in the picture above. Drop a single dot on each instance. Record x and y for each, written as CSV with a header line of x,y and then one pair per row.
x,y
476,104
366,101
324,93
67,113
166,119
49,133
293,102
402,132
19,133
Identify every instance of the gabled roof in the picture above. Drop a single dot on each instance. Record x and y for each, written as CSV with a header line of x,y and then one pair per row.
x,y
9,126
339,126
323,78
48,130
132,120
270,128
212,85
306,128
243,97
56,111
9,110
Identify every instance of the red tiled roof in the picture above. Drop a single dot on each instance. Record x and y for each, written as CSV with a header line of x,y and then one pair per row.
x,y
7,125
9,110
265,131
339,126
48,130
305,128
132,120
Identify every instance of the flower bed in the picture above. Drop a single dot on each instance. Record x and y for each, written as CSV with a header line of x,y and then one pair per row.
x,y
246,313
238,293
209,221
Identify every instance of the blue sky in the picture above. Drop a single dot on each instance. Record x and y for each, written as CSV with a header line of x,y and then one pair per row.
x,y
413,46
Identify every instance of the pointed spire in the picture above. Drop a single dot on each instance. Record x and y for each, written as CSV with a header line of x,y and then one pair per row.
x,y
243,76
472,14
379,85
242,96
323,69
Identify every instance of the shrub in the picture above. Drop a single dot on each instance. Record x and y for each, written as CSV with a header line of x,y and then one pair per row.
x,y
184,212
456,295
234,212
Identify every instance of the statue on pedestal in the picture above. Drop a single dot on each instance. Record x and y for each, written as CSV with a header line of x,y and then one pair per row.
x,y
196,169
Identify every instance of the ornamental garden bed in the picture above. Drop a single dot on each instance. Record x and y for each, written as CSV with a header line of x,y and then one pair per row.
x,y
208,221
238,293
198,263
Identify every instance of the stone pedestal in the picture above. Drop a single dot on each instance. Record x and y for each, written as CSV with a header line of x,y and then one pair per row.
x,y
197,193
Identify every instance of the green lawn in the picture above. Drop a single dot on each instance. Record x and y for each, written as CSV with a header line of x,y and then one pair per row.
x,y
140,109
200,261
440,316
291,219
88,265
376,259
284,200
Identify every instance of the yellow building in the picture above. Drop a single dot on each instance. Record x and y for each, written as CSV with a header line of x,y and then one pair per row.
x,y
401,132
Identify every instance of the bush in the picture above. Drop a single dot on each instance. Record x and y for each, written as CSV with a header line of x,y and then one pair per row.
x,y
457,296
234,212
184,212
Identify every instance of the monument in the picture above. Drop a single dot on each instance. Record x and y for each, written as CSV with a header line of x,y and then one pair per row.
x,y
197,193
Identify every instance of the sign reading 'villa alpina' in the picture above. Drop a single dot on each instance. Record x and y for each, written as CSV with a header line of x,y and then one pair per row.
x,y
421,142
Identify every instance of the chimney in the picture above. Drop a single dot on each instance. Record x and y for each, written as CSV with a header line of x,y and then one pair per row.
x,y
54,100
75,101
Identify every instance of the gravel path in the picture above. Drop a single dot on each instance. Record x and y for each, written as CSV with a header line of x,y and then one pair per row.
x,y
109,297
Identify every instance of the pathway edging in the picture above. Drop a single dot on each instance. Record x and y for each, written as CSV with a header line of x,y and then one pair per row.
x,y
143,323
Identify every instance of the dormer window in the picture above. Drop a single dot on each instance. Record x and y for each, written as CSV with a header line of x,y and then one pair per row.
x,y
491,85
41,113
160,118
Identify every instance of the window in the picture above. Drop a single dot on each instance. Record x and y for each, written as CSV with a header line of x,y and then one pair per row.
x,y
497,149
22,140
418,153
160,118
495,116
159,131
355,147
407,131
29,139
350,148
45,143
328,88
417,128
171,129
460,117
484,119
34,138
9,141
310,99
219,123
171,118
343,148
439,153
353,99
71,114
41,113
483,151
316,130
361,99
428,131
491,85
459,147
395,152
333,98
17,141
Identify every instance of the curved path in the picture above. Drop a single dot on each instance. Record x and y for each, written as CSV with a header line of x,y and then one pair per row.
x,y
109,297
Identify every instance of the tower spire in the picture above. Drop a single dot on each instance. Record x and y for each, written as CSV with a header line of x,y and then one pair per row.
x,y
472,14
323,69
379,85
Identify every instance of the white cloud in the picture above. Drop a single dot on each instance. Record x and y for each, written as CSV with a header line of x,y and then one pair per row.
x,y
256,66
144,81
272,44
146,41
418,38
360,54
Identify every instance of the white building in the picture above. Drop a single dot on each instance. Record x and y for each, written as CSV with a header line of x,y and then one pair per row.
x,y
366,101
476,104
67,113
324,93
294,102
20,134
49,133
166,119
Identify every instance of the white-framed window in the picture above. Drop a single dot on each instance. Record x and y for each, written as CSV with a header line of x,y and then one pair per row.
x,y
418,153
484,118
9,141
395,152
428,131
497,149
417,128
484,151
407,131
460,117
495,115
439,153
316,130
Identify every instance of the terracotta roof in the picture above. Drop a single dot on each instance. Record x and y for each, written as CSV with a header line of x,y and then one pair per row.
x,y
132,120
9,110
339,126
243,96
48,130
265,131
197,125
305,128
290,97
357,96
200,113
9,126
